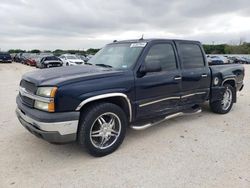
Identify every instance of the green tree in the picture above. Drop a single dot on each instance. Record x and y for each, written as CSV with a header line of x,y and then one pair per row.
x,y
15,51
35,51
92,51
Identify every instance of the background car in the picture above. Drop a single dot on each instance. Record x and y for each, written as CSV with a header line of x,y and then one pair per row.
x,y
247,60
17,57
82,57
214,60
40,56
31,59
49,61
24,57
70,59
238,60
89,56
5,58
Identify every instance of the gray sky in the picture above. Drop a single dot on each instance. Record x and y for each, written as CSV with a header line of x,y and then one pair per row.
x,y
81,24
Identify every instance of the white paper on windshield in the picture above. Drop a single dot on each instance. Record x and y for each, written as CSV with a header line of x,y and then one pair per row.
x,y
136,45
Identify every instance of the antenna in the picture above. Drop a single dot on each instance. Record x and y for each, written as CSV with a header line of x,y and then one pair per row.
x,y
141,37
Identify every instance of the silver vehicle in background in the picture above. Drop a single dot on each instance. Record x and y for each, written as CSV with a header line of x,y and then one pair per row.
x,y
70,59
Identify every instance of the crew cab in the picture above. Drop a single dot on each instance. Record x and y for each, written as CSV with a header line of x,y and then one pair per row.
x,y
135,83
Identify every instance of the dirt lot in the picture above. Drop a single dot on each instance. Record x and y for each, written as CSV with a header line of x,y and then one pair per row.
x,y
204,150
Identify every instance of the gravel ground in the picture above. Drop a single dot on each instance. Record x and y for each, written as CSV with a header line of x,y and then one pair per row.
x,y
203,150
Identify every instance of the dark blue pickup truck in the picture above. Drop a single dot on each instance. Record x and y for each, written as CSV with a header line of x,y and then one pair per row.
x,y
136,83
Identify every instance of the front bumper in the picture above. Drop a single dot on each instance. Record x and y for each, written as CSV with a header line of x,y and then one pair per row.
x,y
52,127
5,61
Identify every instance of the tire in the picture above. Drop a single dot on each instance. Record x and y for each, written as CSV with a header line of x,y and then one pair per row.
x,y
94,132
67,64
219,107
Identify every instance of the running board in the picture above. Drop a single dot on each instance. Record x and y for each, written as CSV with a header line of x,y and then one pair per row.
x,y
142,127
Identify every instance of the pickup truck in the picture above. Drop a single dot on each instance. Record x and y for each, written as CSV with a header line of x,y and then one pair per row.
x,y
133,83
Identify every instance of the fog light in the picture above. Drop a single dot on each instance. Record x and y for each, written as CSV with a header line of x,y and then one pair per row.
x,y
41,105
48,107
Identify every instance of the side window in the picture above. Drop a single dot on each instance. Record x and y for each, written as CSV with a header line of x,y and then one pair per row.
x,y
164,54
191,56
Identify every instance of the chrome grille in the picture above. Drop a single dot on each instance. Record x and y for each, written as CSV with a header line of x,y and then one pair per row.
x,y
31,88
28,86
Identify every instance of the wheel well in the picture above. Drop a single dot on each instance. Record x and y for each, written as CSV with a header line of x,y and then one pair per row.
x,y
230,82
119,101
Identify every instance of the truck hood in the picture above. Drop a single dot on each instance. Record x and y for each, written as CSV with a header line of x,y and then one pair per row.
x,y
65,75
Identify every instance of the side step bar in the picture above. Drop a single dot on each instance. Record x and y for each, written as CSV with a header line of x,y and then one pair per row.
x,y
142,127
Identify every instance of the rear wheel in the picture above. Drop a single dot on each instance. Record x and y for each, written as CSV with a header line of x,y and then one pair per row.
x,y
224,106
102,129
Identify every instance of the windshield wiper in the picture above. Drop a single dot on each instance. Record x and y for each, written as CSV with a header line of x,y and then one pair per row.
x,y
104,65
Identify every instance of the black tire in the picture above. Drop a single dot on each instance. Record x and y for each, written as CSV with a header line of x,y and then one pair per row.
x,y
217,106
67,64
89,119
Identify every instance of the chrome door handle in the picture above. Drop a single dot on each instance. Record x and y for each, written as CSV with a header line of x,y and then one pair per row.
x,y
177,78
204,75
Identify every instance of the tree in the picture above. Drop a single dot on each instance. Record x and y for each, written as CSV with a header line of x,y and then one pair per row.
x,y
92,51
15,51
35,51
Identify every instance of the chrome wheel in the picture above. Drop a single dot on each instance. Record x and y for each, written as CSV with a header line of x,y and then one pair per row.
x,y
105,130
227,99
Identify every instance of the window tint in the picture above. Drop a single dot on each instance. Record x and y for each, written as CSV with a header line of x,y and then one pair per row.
x,y
191,56
164,54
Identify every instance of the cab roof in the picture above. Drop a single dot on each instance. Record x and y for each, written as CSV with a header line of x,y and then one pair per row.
x,y
151,40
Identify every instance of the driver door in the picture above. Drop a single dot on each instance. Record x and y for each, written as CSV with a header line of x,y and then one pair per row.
x,y
158,93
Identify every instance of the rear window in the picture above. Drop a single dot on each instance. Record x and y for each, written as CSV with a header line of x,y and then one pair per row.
x,y
52,58
191,56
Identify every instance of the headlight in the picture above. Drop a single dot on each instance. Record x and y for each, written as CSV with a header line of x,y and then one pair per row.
x,y
46,91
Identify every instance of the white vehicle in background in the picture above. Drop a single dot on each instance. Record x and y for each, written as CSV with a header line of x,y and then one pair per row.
x,y
70,59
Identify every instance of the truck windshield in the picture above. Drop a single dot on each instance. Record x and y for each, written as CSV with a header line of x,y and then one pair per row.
x,y
118,56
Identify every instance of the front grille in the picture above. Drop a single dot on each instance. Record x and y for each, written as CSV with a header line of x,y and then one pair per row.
x,y
27,101
54,64
31,88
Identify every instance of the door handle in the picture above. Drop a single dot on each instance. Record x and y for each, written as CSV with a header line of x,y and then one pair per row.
x,y
204,75
177,78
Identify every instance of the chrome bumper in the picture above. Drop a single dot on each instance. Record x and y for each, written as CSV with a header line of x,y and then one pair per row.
x,y
56,132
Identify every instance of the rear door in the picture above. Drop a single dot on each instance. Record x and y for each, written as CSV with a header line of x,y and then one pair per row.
x,y
195,73
158,93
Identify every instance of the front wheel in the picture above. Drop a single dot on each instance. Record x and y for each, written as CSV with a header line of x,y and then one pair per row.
x,y
224,106
102,129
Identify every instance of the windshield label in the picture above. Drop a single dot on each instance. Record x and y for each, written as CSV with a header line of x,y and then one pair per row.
x,y
136,45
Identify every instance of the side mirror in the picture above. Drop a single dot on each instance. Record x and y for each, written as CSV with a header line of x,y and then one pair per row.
x,y
150,66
